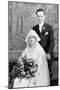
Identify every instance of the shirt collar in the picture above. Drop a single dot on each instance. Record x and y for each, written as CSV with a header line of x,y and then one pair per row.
x,y
41,24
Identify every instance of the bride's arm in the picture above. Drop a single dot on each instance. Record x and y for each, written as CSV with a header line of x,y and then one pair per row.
x,y
39,63
40,60
20,57
23,54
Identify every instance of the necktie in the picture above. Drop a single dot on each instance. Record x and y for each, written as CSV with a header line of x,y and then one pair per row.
x,y
40,28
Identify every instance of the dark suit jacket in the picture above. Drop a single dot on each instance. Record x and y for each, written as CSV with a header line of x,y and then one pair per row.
x,y
47,38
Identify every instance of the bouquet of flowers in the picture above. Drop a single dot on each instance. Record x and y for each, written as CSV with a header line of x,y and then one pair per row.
x,y
25,68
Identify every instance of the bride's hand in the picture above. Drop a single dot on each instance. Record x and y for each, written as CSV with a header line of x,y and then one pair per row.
x,y
20,57
36,74
48,56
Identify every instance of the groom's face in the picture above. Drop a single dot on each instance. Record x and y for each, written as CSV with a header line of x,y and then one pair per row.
x,y
40,16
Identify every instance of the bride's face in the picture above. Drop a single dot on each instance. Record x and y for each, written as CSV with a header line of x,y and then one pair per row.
x,y
32,40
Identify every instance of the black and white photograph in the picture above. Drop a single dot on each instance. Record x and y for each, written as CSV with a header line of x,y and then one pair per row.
x,y
33,30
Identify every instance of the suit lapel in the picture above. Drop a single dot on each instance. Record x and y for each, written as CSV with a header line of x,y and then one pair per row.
x,y
43,30
37,30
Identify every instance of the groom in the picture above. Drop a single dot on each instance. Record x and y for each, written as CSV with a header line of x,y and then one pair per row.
x,y
45,32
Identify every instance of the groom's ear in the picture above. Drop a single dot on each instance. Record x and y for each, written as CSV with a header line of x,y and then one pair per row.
x,y
44,17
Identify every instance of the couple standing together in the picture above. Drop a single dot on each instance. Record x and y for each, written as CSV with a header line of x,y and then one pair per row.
x,y
40,43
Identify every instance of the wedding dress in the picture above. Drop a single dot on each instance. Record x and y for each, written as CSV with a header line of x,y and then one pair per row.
x,y
42,78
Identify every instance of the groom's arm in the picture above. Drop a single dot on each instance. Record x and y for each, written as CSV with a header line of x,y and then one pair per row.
x,y
51,37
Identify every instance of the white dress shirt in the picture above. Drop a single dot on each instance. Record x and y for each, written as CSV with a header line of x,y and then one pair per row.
x,y
40,26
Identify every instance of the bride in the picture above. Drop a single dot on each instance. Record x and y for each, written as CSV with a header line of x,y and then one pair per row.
x,y
35,51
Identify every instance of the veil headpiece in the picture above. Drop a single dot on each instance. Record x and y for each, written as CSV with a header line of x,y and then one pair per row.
x,y
32,33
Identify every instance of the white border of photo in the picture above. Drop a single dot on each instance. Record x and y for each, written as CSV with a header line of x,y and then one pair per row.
x,y
4,42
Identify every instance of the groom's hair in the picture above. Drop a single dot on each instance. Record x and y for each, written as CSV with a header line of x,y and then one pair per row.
x,y
38,10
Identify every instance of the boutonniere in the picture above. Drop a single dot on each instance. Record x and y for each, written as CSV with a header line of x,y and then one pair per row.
x,y
46,33
43,28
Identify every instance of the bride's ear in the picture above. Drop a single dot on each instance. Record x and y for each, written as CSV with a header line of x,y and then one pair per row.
x,y
36,39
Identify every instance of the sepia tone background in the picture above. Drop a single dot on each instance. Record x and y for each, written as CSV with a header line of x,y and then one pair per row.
x,y
21,18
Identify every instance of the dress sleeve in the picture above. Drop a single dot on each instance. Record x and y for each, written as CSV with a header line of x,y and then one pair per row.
x,y
41,58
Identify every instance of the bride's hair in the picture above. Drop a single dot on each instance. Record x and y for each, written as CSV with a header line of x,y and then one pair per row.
x,y
33,36
29,44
